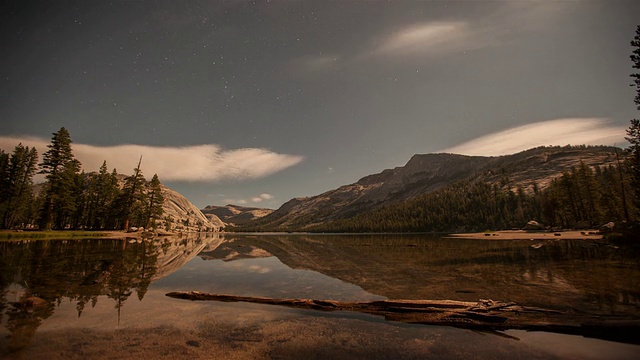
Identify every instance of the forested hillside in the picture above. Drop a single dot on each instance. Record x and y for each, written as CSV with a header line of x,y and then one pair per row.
x,y
582,197
557,186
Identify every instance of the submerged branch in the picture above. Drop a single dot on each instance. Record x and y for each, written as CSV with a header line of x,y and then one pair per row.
x,y
484,315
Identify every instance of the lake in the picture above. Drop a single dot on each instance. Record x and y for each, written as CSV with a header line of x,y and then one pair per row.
x,y
101,298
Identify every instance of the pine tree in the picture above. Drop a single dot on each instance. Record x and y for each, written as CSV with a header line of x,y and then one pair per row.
x,y
635,58
106,191
61,167
633,161
4,176
17,174
633,133
27,164
155,200
133,198
81,199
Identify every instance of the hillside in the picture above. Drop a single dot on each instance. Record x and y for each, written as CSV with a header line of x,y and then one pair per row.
x,y
427,173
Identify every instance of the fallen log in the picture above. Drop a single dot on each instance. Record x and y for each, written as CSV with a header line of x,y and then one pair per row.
x,y
484,315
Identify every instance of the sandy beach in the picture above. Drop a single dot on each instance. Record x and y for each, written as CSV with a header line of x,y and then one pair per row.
x,y
531,235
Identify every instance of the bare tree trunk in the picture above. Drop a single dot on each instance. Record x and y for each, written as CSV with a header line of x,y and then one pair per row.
x,y
484,315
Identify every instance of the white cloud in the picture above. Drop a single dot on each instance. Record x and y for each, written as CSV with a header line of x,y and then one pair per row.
x,y
235,201
574,131
255,199
441,37
425,38
207,163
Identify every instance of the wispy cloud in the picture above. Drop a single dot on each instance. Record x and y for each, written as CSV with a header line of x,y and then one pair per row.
x,y
421,39
433,38
430,37
206,163
574,131
441,37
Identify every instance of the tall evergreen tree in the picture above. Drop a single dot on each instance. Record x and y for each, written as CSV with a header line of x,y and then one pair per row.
x,y
633,133
133,198
105,193
635,58
81,199
4,176
16,195
61,167
633,161
155,200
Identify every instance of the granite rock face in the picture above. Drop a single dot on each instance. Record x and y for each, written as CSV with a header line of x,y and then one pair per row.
x,y
184,216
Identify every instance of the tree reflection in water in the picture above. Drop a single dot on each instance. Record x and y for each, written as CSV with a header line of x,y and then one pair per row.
x,y
37,275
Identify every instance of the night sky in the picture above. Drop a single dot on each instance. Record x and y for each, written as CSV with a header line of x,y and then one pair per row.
x,y
255,103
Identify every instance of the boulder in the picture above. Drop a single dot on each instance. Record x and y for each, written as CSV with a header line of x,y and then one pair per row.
x,y
533,225
608,227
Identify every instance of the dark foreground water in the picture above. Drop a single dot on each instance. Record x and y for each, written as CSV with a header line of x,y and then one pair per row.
x,y
106,298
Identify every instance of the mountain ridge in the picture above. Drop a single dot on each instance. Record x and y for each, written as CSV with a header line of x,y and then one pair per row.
x,y
426,173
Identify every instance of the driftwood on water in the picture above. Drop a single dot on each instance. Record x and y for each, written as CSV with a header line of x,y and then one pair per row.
x,y
484,315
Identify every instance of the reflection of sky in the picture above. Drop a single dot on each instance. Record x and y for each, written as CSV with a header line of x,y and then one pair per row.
x,y
260,277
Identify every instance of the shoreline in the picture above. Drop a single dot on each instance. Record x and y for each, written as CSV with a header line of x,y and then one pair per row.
x,y
9,235
590,234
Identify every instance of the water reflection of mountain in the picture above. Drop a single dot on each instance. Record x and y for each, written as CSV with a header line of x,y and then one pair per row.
x,y
38,275
229,250
176,253
580,275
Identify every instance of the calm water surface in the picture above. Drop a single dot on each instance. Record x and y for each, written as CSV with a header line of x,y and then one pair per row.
x,y
105,298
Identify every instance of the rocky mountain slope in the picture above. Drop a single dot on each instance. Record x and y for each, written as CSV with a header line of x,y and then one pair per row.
x,y
186,217
430,172
234,214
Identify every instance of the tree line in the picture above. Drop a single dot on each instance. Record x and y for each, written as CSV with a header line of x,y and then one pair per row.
x,y
71,198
